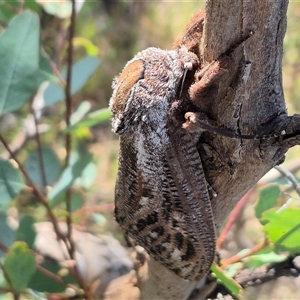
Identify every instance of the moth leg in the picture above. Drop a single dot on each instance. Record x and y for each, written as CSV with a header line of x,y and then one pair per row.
x,y
198,122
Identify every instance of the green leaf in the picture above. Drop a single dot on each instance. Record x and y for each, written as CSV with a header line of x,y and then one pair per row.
x,y
92,119
81,72
42,283
268,196
26,231
77,164
90,48
76,201
283,228
228,282
11,182
45,70
35,295
19,265
51,163
81,111
88,175
19,61
255,261
7,235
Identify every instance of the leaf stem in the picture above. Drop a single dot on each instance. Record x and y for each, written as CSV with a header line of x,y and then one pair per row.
x,y
236,258
289,176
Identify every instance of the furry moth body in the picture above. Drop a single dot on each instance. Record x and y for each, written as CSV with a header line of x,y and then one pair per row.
x,y
161,196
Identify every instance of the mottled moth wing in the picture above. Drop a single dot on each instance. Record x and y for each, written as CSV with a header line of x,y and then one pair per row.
x,y
161,197
162,201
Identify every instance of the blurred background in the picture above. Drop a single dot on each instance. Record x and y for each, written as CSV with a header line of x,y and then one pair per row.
x,y
113,32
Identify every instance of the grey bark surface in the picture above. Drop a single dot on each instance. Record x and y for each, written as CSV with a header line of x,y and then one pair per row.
x,y
249,101
249,104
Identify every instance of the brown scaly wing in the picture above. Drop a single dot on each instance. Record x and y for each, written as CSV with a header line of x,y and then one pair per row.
x,y
162,200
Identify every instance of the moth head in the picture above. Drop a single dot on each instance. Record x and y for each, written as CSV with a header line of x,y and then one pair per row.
x,y
123,92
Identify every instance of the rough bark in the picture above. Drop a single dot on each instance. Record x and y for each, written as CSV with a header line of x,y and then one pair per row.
x,y
249,101
250,104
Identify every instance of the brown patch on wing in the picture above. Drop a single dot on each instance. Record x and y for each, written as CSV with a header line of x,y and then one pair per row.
x,y
127,79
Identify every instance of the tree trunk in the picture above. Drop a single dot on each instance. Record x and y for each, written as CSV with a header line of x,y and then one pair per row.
x,y
253,101
250,101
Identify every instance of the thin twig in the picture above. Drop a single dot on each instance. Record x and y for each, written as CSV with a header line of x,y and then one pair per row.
x,y
236,258
37,192
21,6
68,140
289,176
232,218
55,70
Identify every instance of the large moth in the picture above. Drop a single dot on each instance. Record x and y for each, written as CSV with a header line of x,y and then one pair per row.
x,y
159,104
161,195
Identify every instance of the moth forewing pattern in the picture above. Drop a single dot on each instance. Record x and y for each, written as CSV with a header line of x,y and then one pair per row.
x,y
161,197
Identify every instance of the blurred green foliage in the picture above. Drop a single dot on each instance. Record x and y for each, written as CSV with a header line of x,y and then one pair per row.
x,y
291,59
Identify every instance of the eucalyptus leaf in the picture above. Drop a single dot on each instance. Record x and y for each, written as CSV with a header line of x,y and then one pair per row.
x,y
11,182
19,61
283,228
77,164
255,261
81,72
52,167
19,265
91,119
43,283
25,231
268,196
81,111
7,234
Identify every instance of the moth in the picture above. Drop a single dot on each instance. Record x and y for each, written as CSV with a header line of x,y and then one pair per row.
x,y
161,195
162,199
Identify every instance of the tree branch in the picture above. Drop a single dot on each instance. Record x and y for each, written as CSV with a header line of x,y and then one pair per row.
x,y
68,136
